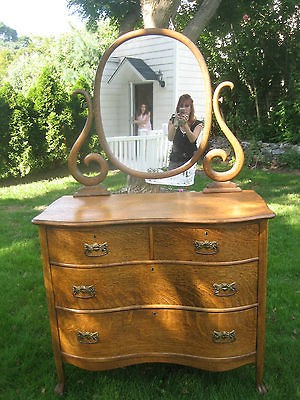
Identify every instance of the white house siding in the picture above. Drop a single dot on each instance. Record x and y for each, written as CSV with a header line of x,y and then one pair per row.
x,y
156,52
109,101
191,82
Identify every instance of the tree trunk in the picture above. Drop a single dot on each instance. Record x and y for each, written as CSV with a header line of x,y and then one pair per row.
x,y
257,107
139,185
157,13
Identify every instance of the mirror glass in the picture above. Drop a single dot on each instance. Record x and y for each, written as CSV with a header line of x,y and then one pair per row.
x,y
147,73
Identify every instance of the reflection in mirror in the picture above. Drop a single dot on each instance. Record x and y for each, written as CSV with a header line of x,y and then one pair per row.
x,y
153,71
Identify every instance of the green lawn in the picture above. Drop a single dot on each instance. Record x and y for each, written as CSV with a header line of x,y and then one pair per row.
x,y
27,366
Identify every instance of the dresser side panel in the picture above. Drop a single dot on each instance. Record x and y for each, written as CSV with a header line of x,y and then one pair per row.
x,y
262,293
51,304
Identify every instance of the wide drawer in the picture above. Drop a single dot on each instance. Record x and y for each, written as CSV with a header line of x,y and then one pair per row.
x,y
141,284
158,331
119,243
228,242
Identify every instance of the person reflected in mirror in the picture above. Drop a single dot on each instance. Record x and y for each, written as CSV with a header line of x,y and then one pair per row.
x,y
183,130
142,120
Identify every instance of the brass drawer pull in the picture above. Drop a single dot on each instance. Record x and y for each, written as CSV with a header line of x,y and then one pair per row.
x,y
84,292
206,247
88,337
96,249
224,336
225,289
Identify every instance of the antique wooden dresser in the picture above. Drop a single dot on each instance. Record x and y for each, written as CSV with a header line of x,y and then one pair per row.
x,y
176,277
183,281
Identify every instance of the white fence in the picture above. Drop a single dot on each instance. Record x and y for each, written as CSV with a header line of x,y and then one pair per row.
x,y
147,152
143,152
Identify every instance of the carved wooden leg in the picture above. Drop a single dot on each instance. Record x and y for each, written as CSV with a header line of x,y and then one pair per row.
x,y
259,373
59,388
261,315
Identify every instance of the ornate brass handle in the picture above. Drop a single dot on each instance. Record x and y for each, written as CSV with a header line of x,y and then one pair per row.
x,y
224,289
87,337
96,249
224,336
84,292
205,247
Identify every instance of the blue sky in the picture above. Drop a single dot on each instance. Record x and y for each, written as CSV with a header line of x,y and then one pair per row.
x,y
37,17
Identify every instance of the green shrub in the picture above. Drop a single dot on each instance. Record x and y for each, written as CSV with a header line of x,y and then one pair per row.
x,y
290,158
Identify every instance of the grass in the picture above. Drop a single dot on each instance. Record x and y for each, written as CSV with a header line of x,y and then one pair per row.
x,y
27,366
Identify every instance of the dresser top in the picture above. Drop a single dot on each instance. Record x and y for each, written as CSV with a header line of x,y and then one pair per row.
x,y
181,207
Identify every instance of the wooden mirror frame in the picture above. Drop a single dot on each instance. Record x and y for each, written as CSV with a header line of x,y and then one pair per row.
x,y
208,102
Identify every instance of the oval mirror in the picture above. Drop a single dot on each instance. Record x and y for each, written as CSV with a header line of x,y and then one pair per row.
x,y
151,68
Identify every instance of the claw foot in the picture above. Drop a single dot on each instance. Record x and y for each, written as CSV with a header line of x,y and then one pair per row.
x,y
59,389
262,389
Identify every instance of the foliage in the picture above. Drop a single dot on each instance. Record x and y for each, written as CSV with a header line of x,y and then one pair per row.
x,y
256,47
130,15
253,45
50,104
73,54
5,112
286,120
39,119
115,10
20,151
7,34
290,158
5,60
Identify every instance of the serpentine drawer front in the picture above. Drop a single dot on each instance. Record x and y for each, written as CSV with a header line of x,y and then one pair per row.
x,y
158,331
222,243
98,246
175,284
142,278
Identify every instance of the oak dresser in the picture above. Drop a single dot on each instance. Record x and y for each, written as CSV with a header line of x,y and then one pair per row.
x,y
177,277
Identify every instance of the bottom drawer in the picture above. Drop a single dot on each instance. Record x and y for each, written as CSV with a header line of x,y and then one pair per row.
x,y
158,331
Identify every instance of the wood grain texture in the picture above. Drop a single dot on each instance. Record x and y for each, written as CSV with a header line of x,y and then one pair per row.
x,y
188,207
205,363
158,331
123,244
169,284
51,309
235,242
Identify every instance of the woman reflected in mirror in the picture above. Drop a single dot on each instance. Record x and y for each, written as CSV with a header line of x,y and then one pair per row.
x,y
143,120
183,130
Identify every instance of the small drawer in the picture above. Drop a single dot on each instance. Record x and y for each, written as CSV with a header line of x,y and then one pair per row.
x,y
142,284
228,242
118,243
158,331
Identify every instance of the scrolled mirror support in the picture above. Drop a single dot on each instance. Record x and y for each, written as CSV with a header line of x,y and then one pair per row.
x,y
237,148
91,183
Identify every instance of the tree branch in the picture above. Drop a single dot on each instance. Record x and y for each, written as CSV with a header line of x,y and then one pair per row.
x,y
201,19
129,21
